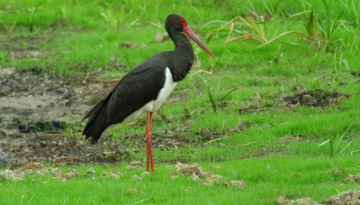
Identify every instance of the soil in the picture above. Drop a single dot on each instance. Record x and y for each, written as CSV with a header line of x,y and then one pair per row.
x,y
314,98
29,102
295,97
197,173
346,197
353,178
34,111
40,122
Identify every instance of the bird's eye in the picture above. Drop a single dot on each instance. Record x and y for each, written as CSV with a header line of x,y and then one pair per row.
x,y
182,21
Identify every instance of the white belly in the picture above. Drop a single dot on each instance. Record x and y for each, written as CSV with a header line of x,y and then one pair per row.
x,y
164,93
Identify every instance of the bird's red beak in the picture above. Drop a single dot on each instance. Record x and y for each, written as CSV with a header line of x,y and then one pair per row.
x,y
191,34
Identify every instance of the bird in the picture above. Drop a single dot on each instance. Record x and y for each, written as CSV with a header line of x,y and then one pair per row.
x,y
145,88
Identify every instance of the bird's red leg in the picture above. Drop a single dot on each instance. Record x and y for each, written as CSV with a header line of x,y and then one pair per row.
x,y
149,155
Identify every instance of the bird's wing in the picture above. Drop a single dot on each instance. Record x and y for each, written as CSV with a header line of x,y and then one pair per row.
x,y
136,89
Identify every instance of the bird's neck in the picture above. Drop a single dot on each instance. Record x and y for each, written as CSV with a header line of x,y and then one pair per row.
x,y
183,55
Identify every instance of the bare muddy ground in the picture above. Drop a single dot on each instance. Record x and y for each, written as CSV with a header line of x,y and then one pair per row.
x,y
35,110
40,122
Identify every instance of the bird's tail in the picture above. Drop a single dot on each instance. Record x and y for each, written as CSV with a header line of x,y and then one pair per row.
x,y
97,121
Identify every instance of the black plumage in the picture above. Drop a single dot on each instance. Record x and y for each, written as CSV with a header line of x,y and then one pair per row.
x,y
143,83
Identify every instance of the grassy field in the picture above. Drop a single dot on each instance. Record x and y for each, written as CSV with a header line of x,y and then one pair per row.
x,y
251,129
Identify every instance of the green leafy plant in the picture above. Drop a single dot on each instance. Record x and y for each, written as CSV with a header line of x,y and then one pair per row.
x,y
111,19
31,14
330,24
257,31
334,150
10,29
308,18
351,12
214,99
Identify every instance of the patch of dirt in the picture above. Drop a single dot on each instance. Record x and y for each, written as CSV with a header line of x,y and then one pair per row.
x,y
37,168
55,149
90,171
71,173
295,97
29,102
10,175
355,73
115,175
36,111
313,98
197,173
353,178
334,173
33,112
346,197
249,108
137,178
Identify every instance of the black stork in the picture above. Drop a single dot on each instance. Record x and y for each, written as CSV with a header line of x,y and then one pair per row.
x,y
146,87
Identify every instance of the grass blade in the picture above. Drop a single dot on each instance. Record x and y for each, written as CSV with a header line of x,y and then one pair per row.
x,y
210,95
32,18
341,137
345,148
324,143
223,98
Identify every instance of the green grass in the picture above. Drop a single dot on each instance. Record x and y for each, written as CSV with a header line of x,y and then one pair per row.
x,y
265,179
76,38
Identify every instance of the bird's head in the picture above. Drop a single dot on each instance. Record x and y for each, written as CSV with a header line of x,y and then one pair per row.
x,y
178,22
